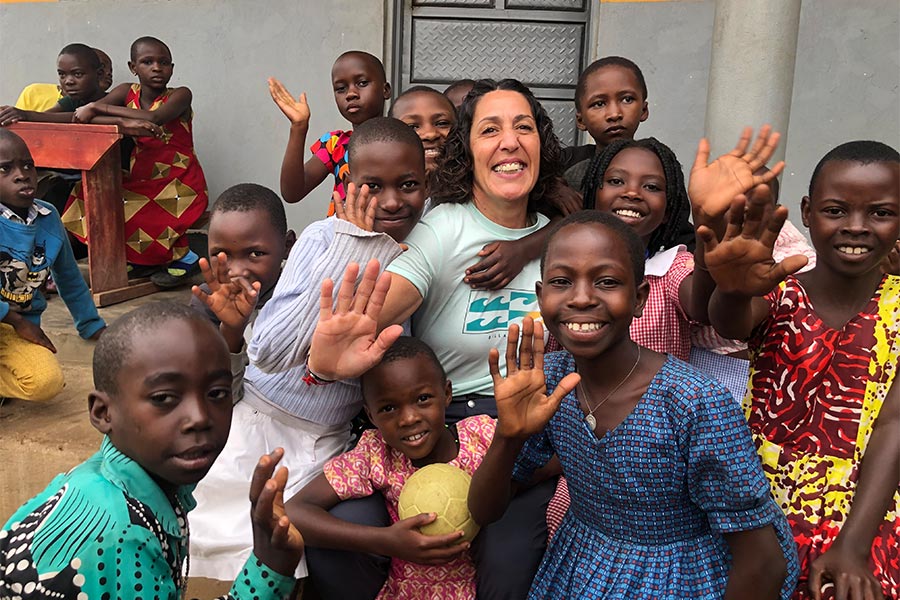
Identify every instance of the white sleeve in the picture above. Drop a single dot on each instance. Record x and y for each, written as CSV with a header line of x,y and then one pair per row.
x,y
284,328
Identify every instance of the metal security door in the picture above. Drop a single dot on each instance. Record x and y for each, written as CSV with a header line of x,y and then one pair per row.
x,y
542,43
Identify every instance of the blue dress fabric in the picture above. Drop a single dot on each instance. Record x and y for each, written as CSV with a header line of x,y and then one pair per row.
x,y
652,499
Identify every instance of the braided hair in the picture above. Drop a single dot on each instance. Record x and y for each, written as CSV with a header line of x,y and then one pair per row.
x,y
678,206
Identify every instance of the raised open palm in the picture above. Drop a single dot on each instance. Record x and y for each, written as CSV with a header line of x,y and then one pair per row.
x,y
297,110
523,407
714,185
346,342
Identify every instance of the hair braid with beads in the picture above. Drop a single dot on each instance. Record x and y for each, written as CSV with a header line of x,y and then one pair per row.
x,y
678,206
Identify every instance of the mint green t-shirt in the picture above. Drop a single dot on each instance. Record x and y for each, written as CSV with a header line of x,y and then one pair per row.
x,y
459,323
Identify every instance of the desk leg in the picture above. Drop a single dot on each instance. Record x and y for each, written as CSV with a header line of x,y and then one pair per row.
x,y
105,216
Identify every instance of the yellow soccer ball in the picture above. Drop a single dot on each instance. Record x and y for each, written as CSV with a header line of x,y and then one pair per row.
x,y
441,489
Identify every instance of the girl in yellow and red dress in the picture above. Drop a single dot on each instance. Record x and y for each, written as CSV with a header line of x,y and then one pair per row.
x,y
824,353
164,189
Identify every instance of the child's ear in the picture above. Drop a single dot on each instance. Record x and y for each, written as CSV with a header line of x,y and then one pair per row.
x,y
642,293
645,111
448,392
368,413
579,123
387,90
98,410
538,288
804,210
290,238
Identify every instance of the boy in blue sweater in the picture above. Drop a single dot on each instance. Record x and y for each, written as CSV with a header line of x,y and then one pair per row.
x,y
33,244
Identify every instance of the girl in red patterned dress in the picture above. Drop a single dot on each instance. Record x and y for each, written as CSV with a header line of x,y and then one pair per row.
x,y
165,189
405,397
824,349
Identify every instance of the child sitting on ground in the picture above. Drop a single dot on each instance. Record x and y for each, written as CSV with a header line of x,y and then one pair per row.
x,y
360,90
405,396
165,188
824,350
33,244
278,408
116,525
668,497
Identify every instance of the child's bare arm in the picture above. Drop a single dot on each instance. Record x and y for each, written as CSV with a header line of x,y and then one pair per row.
x,y
308,510
297,179
29,331
742,265
523,409
712,188
846,563
758,567
11,114
178,103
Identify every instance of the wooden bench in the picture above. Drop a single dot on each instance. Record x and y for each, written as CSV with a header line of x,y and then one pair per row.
x,y
93,149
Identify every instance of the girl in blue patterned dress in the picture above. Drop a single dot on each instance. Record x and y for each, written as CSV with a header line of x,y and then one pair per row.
x,y
669,500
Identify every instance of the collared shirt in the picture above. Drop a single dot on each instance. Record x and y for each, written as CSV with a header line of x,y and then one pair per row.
x,y
106,529
34,211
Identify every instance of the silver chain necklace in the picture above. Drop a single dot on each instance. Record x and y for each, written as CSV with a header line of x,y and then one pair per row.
x,y
589,418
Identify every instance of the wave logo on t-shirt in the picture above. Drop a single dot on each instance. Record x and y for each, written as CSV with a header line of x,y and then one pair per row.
x,y
491,311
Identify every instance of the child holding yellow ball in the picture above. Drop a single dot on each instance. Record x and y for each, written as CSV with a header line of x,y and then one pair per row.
x,y
405,396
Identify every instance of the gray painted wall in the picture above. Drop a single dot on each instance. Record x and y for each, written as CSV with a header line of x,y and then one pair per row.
x,y
224,51
846,83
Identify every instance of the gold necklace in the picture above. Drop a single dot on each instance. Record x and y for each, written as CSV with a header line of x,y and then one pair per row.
x,y
589,418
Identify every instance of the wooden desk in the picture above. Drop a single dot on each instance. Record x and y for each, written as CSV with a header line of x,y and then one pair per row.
x,y
94,149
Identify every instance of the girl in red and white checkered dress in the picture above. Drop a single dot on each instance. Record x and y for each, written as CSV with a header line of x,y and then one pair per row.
x,y
641,182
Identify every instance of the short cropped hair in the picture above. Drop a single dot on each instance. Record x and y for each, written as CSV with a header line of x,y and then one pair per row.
x,y
383,129
371,58
146,39
245,197
83,52
10,136
116,343
861,151
422,89
405,348
461,83
608,61
610,221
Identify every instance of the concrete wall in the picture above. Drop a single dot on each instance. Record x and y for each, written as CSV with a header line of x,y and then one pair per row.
x,y
223,51
846,81
845,86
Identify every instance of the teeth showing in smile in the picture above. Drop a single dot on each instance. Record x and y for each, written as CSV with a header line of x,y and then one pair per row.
x,y
582,326
414,438
627,212
431,152
852,250
509,167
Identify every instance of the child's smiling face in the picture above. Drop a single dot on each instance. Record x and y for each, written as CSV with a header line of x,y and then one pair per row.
x,y
360,89
432,115
171,411
587,293
613,105
406,399
18,178
254,247
395,174
853,215
634,189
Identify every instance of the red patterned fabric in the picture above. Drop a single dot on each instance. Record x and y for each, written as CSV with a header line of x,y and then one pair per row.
x,y
815,393
164,191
